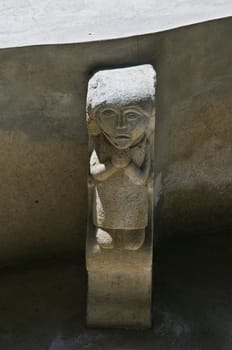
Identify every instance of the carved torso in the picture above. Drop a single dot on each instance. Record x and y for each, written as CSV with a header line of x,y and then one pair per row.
x,y
118,202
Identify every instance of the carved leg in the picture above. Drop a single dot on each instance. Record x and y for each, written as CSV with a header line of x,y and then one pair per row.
x,y
134,239
128,239
109,238
120,239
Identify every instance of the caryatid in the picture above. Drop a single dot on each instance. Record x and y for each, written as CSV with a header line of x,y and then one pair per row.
x,y
121,121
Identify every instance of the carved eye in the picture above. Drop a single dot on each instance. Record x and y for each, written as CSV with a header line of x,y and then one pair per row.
x,y
132,115
108,113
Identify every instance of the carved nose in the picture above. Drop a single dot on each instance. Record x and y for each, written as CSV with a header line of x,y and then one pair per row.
x,y
121,122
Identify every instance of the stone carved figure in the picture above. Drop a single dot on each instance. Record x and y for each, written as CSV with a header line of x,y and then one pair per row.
x,y
119,245
120,118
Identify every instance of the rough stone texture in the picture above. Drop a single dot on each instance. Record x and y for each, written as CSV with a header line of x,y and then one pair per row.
x,y
43,139
127,86
121,122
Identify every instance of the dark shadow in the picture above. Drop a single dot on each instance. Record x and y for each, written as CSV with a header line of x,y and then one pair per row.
x,y
43,307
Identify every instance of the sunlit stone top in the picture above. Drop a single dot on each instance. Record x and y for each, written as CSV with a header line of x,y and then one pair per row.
x,y
122,86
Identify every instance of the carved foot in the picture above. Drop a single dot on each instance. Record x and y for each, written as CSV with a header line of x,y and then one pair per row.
x,y
120,239
104,239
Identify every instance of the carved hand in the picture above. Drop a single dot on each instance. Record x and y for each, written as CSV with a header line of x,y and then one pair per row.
x,y
139,175
121,158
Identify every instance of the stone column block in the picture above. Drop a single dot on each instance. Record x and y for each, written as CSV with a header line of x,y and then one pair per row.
x,y
121,122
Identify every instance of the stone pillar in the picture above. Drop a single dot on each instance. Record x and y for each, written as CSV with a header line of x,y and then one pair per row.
x,y
121,122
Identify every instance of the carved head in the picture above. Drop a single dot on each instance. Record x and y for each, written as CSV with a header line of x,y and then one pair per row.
x,y
120,104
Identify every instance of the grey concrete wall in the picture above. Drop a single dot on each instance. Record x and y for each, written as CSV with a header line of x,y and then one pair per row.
x,y
43,153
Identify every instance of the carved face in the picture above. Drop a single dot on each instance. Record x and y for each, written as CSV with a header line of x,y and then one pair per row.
x,y
123,126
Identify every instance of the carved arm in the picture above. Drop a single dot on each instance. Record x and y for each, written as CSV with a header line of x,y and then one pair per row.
x,y
139,175
101,171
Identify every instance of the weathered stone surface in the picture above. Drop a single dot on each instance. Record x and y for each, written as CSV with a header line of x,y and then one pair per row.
x,y
121,121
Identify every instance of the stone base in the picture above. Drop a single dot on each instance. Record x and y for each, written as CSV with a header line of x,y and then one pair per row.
x,y
119,285
119,299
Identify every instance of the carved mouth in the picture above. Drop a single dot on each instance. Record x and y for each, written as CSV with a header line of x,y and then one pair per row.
x,y
122,137
120,141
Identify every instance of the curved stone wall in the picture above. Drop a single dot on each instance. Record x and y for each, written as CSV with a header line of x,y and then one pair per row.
x,y
43,154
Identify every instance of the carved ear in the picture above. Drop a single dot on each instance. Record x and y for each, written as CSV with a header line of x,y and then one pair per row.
x,y
92,126
93,129
151,125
